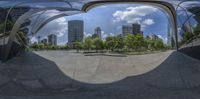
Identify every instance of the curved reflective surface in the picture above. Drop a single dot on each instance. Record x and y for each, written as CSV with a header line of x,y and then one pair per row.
x,y
189,25
58,46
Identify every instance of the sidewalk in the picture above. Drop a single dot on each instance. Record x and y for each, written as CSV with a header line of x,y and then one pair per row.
x,y
35,77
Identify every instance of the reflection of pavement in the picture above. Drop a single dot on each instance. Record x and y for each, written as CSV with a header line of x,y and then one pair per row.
x,y
103,69
34,77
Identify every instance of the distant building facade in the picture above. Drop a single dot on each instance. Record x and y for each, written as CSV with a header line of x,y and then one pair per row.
x,y
52,39
126,29
75,31
131,29
136,29
97,33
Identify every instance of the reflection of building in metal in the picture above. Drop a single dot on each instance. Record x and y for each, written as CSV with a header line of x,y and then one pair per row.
x,y
126,29
196,12
188,28
13,16
18,11
44,41
134,29
52,39
97,32
75,31
2,15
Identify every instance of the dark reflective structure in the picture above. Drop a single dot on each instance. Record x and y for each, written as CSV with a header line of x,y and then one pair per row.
x,y
16,24
130,63
188,15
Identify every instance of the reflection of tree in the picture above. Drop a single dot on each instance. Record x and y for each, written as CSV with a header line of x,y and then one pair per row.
x,y
197,29
9,26
189,37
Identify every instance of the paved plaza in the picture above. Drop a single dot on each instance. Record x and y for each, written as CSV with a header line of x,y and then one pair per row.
x,y
71,75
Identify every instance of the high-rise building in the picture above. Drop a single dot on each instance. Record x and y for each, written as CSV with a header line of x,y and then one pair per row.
x,y
52,39
98,32
75,31
126,29
136,29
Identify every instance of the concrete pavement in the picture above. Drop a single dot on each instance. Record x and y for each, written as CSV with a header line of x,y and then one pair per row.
x,y
50,75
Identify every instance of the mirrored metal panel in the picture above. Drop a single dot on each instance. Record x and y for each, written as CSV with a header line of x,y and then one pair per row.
x,y
188,27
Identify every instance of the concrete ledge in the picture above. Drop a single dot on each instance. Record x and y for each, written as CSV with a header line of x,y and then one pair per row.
x,y
105,54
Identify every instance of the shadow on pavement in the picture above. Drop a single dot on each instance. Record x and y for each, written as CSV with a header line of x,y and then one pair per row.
x,y
176,78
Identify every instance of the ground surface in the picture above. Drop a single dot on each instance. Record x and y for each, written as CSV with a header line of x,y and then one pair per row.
x,y
61,75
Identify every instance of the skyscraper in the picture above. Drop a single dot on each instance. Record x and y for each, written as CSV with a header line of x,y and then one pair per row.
x,y
52,39
136,29
75,31
126,29
97,32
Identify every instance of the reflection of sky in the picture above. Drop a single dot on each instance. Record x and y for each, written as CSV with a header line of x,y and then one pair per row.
x,y
110,19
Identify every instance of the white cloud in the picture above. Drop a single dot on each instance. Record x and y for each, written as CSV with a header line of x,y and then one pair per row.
x,y
163,38
87,34
135,15
33,39
148,22
104,35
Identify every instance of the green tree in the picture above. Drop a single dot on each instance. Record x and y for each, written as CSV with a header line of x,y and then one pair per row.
x,y
129,42
98,44
110,43
158,44
88,43
138,41
77,45
187,36
197,29
119,42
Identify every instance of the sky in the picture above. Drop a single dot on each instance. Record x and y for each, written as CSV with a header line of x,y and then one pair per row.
x,y
110,18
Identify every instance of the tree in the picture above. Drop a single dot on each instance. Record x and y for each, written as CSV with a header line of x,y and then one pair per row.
x,y
197,29
119,42
88,43
77,45
98,44
129,41
158,44
110,43
187,36
138,41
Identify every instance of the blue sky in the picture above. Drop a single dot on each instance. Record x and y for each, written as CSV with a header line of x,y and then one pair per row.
x,y
110,19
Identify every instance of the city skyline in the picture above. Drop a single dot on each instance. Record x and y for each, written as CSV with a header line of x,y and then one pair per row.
x,y
111,25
